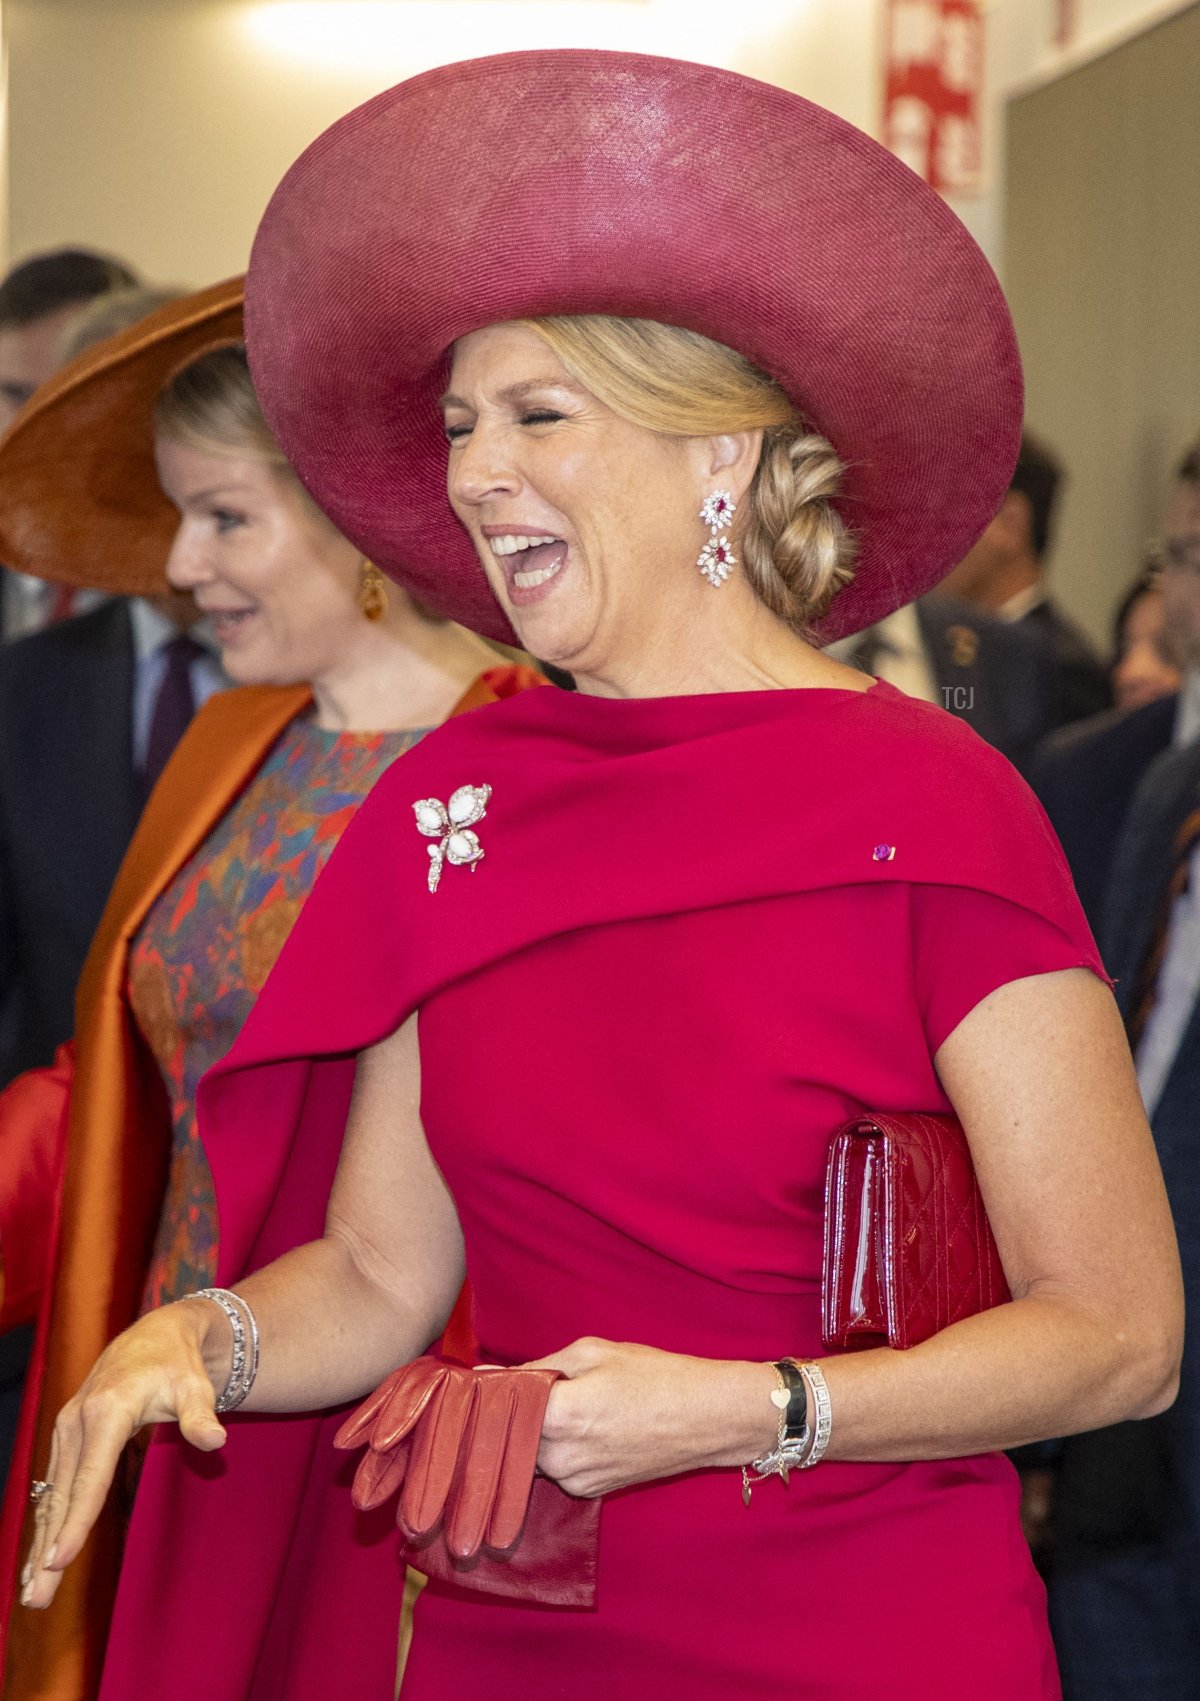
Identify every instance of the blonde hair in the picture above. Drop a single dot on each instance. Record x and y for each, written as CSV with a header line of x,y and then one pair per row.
x,y
211,404
796,549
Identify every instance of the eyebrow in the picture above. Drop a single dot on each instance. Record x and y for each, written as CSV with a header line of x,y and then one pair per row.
x,y
217,490
516,392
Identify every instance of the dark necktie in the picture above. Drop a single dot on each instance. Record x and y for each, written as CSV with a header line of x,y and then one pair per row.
x,y
62,603
174,705
1146,986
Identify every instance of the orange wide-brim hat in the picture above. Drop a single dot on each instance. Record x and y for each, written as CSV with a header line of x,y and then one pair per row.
x,y
80,500
569,182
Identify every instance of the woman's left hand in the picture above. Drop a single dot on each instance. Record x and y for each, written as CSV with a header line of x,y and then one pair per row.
x,y
630,1414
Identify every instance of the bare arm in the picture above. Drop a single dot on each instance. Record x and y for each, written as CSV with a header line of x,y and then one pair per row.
x,y
1040,1075
334,1316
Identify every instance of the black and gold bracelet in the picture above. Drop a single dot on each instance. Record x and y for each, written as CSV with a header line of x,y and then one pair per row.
x,y
790,1398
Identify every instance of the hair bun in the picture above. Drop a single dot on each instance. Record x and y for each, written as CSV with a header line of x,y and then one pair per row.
x,y
798,550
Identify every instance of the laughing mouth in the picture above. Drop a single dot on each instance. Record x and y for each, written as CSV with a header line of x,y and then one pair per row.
x,y
541,557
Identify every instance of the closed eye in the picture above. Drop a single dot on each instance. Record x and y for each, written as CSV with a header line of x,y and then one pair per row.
x,y
455,432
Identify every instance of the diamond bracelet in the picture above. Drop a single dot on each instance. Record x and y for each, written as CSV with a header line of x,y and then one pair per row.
x,y
244,1367
823,1411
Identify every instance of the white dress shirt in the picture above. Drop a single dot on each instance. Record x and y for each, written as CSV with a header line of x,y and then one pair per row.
x,y
902,658
899,654
1187,716
1022,603
27,604
1179,978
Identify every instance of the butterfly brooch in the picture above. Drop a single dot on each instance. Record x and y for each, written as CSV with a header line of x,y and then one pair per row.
x,y
451,825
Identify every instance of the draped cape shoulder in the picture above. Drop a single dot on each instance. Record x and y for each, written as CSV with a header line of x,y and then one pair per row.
x,y
599,811
101,1221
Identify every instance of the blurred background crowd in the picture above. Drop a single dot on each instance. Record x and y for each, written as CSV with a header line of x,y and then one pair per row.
x,y
142,140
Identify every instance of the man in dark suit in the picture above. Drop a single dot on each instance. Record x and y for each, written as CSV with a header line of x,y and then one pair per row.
x,y
78,704
1005,574
993,676
89,708
1087,774
40,302
1125,1590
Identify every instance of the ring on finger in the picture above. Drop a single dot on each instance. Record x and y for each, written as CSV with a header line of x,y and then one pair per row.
x,y
38,1490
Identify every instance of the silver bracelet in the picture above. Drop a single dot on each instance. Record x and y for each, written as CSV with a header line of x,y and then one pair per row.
x,y
244,1367
822,1427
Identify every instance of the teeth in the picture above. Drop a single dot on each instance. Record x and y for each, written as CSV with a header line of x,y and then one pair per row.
x,y
526,581
513,544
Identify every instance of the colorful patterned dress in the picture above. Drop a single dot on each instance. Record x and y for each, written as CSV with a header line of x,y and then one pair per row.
x,y
211,940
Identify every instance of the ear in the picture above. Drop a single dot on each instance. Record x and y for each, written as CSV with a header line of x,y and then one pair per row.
x,y
729,461
1015,521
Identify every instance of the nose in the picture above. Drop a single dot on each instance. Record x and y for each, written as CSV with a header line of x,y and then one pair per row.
x,y
480,467
187,567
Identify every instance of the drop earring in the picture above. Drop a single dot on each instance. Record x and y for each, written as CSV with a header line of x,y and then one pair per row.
x,y
717,559
372,592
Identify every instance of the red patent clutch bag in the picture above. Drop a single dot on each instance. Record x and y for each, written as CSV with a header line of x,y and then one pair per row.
x,y
908,1246
459,1446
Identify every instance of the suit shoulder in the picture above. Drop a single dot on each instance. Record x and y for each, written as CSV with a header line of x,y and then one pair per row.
x,y
1068,637
1111,736
1173,772
99,632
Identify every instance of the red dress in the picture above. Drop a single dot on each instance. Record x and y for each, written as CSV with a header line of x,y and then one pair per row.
x,y
704,931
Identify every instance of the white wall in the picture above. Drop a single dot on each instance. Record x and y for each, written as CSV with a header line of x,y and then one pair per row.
x,y
1021,53
157,128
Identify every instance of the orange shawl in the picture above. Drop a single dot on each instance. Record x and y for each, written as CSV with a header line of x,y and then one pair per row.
x,y
106,1213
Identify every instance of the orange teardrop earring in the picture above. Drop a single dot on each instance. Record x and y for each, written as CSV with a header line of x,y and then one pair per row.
x,y
372,594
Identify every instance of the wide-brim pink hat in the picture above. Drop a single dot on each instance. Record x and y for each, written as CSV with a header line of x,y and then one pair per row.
x,y
587,182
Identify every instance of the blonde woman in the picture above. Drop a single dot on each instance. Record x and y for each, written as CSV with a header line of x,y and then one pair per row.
x,y
717,379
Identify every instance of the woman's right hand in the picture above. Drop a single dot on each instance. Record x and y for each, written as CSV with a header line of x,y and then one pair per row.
x,y
165,1367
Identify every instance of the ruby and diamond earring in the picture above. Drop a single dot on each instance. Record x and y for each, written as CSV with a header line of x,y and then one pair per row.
x,y
717,559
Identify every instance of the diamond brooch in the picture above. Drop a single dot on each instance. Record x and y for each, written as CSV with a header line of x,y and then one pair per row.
x,y
450,824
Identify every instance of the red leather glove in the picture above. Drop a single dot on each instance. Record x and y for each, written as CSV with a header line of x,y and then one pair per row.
x,y
460,1445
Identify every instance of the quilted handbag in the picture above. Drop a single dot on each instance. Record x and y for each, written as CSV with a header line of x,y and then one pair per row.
x,y
459,1446
908,1246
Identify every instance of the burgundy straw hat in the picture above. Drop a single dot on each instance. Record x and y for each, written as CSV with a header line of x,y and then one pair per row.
x,y
588,182
79,495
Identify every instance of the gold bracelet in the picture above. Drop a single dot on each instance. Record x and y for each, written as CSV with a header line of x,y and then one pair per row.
x,y
790,1448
